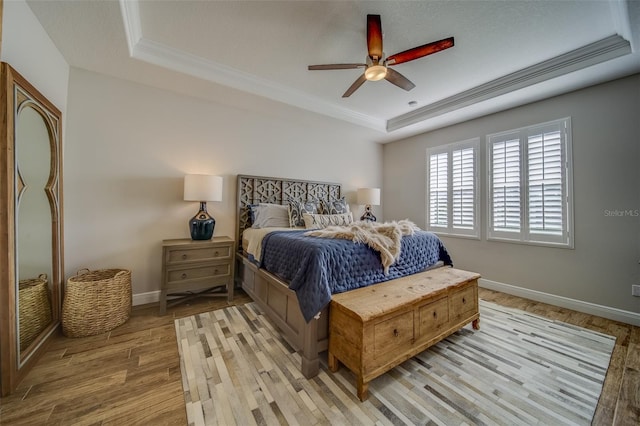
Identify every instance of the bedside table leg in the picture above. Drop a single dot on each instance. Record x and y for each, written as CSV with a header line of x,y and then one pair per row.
x,y
163,302
230,287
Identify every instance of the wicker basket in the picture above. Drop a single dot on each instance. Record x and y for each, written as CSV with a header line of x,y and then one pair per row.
x,y
34,306
96,302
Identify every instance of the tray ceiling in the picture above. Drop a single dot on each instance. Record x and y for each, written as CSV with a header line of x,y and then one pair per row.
x,y
506,53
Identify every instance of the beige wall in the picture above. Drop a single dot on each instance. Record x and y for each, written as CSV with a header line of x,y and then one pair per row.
x,y
29,50
606,151
128,147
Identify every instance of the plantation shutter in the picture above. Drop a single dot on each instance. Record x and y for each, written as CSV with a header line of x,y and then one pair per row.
x,y
530,191
452,188
506,185
463,188
545,182
438,187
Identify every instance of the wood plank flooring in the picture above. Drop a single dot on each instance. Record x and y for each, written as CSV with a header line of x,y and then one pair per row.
x,y
131,375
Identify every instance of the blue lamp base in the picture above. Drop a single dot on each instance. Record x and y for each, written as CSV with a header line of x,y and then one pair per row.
x,y
202,224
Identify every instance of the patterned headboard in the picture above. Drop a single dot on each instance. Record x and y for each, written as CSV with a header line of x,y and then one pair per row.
x,y
259,189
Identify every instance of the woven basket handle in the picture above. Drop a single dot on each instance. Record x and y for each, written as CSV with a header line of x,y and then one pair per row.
x,y
83,269
121,273
43,277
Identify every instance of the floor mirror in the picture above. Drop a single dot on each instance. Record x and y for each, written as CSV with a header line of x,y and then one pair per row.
x,y
31,265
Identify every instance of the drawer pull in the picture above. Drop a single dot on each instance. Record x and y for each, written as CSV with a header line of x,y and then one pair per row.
x,y
464,300
435,315
183,276
184,257
215,271
215,253
395,332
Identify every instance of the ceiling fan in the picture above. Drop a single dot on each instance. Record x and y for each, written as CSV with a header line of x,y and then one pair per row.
x,y
377,67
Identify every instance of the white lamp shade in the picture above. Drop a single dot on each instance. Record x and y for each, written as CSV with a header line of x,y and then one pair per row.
x,y
369,196
202,188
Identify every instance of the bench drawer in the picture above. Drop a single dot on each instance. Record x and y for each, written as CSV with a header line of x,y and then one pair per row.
x,y
463,301
433,317
393,333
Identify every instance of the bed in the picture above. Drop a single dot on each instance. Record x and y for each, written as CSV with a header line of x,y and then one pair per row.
x,y
305,325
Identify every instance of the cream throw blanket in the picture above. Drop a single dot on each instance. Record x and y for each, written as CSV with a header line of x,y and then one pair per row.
x,y
385,238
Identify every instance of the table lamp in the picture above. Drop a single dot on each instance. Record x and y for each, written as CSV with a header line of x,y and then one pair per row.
x,y
369,197
202,188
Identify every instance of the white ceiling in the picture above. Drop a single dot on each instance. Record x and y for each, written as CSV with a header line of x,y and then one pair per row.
x,y
506,53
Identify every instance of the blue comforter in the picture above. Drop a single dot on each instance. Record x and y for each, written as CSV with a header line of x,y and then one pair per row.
x,y
317,267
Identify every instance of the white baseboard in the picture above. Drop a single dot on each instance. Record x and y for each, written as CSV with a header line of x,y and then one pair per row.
x,y
615,314
144,298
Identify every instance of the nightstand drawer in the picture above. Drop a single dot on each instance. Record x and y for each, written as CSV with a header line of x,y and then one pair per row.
x,y
199,254
198,273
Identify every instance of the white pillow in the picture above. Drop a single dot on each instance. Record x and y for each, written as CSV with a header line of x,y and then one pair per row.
x,y
270,215
319,221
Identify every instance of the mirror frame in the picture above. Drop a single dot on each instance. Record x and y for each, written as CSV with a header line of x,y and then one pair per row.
x,y
17,93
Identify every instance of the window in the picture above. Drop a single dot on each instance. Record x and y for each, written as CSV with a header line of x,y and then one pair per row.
x,y
529,184
452,188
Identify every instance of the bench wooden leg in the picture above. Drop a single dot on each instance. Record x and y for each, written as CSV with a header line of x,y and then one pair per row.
x,y
476,324
333,362
363,389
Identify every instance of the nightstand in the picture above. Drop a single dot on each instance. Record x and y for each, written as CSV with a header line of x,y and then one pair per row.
x,y
196,268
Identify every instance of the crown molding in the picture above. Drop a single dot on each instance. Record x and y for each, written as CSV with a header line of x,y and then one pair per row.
x,y
177,60
131,20
150,51
626,16
600,51
196,66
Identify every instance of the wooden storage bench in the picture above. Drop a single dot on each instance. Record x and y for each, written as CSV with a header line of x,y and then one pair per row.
x,y
375,328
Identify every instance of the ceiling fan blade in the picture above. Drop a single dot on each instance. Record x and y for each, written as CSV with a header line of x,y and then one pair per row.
x,y
336,66
420,51
356,84
398,79
374,36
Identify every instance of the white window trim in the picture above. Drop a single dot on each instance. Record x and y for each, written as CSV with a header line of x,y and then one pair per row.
x,y
524,237
449,230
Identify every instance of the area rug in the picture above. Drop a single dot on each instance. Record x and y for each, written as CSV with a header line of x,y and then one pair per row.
x,y
518,369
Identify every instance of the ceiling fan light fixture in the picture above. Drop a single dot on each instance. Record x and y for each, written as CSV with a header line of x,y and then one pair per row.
x,y
375,72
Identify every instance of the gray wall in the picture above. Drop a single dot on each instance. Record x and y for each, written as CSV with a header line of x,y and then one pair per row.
x,y
606,171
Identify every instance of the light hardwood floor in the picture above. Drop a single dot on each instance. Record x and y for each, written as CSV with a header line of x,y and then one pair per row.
x,y
131,375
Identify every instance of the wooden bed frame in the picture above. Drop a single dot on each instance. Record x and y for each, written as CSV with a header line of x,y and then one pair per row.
x,y
270,293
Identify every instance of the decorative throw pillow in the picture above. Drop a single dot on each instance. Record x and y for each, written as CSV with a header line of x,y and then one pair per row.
x,y
271,215
252,212
319,221
297,208
335,207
